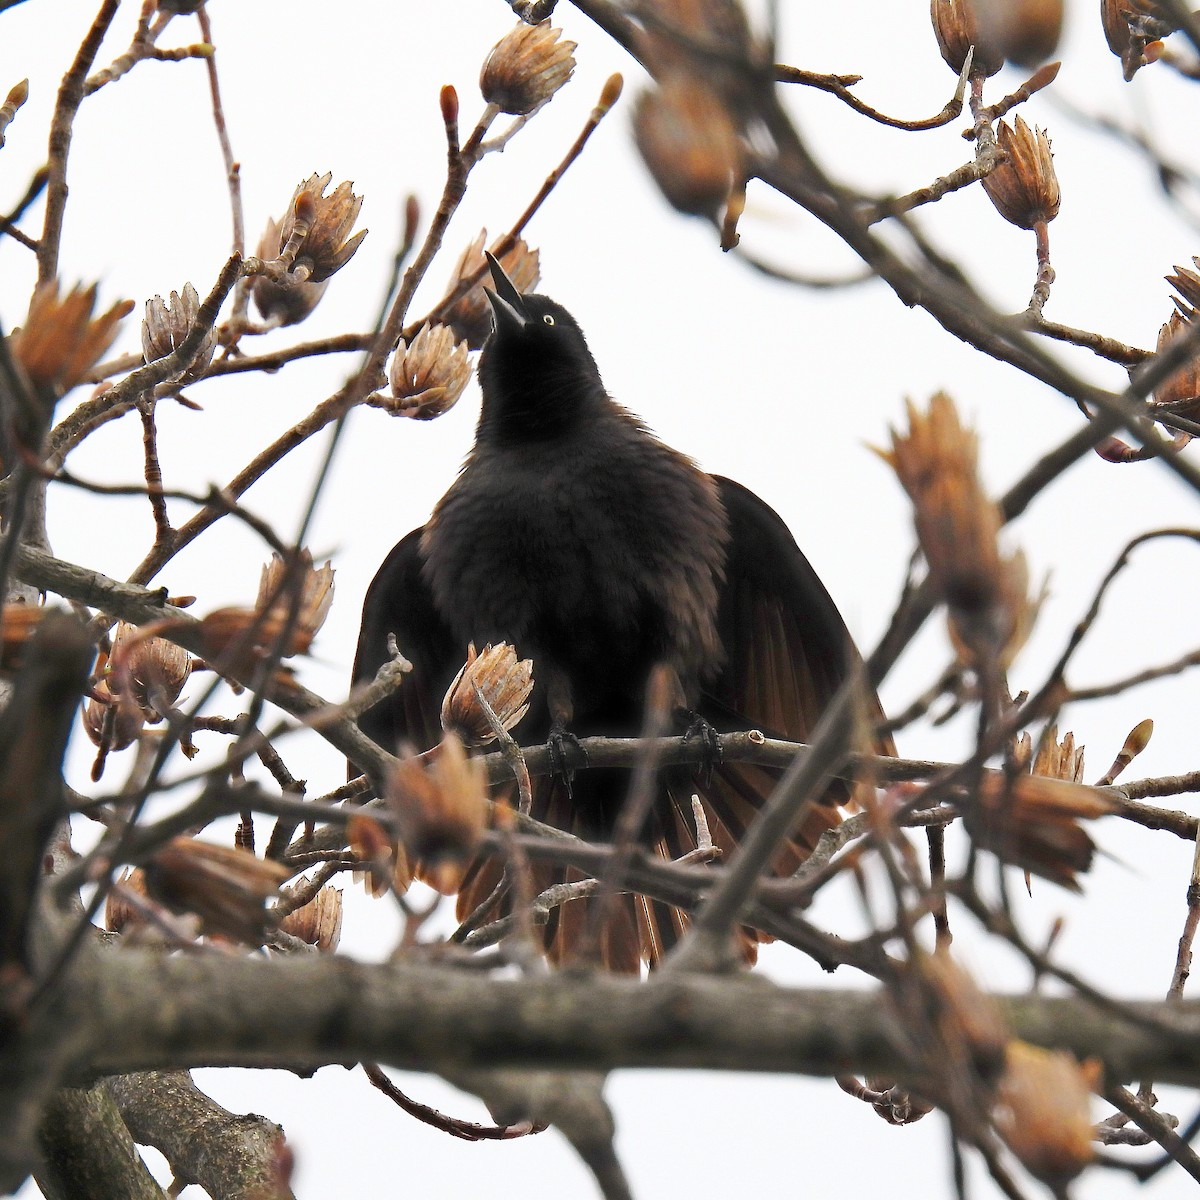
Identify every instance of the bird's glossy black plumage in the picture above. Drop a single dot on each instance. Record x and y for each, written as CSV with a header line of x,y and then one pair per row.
x,y
573,533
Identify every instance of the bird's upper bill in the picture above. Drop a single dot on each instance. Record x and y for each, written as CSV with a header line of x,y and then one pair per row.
x,y
508,305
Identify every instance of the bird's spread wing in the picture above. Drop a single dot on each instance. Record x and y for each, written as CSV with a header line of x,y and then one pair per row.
x,y
787,651
399,602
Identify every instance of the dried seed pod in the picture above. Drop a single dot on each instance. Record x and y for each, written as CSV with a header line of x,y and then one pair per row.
x,y
958,527
1043,1111
326,246
150,670
1025,32
226,888
165,326
61,341
1024,190
286,301
1059,760
503,681
315,584
384,861
526,67
1131,28
1187,283
1034,823
470,316
1181,390
690,144
319,922
111,719
440,802
428,376
956,27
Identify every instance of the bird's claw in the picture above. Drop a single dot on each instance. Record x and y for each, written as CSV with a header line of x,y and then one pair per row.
x,y
703,731
560,761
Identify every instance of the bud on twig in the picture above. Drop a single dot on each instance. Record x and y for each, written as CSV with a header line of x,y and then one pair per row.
x,y
525,68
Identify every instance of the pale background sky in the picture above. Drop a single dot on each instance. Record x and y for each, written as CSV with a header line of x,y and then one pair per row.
x,y
776,386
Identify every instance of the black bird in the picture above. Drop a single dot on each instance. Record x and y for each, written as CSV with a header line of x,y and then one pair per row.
x,y
577,536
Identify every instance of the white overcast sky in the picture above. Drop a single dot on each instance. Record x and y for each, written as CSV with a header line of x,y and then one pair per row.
x,y
776,386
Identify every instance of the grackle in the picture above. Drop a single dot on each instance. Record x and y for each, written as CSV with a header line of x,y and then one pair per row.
x,y
577,536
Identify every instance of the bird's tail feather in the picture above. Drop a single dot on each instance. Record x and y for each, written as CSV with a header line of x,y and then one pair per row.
x,y
639,928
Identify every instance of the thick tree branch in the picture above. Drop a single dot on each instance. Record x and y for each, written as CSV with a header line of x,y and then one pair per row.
x,y
149,1011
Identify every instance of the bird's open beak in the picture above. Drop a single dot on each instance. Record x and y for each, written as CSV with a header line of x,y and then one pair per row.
x,y
508,306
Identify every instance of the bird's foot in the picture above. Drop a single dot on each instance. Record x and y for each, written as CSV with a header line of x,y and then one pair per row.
x,y
560,760
698,728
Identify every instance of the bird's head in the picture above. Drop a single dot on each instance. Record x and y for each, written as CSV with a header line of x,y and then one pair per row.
x,y
536,371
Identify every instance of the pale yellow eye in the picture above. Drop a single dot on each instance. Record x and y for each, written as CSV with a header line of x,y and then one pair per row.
x,y
548,319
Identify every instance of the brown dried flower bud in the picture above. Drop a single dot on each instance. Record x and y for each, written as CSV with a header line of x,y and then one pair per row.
x,y
1034,822
526,67
249,633
1024,190
1059,760
60,340
276,589
150,670
956,27
327,246
1187,283
426,377
1025,32
225,887
1181,390
470,316
1043,1111
690,144
384,861
503,681
166,325
319,922
440,802
1131,27
958,527
286,301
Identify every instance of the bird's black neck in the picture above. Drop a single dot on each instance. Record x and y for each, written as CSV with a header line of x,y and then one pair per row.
x,y
524,401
